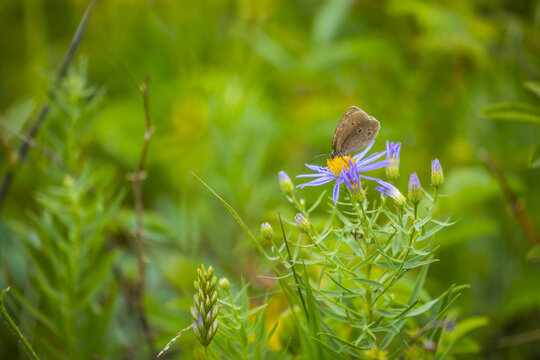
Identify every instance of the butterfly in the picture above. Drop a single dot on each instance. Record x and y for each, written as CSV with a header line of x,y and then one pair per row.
x,y
355,130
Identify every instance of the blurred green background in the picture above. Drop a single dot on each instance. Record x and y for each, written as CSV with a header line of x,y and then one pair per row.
x,y
242,89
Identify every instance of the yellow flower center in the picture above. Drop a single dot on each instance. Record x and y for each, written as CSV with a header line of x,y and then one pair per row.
x,y
339,163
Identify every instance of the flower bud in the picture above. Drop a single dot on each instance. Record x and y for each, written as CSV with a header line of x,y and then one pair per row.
x,y
430,346
392,154
205,309
415,189
285,183
437,176
267,231
390,190
224,284
302,223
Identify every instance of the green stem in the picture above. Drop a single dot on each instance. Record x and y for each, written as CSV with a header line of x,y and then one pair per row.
x,y
383,202
296,279
297,204
352,311
435,196
410,243
239,321
369,302
323,251
11,325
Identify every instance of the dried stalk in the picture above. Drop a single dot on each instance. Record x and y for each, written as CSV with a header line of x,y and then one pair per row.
x,y
515,205
34,144
137,179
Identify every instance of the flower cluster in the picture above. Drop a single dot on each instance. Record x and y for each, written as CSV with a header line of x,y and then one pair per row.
x,y
350,170
205,309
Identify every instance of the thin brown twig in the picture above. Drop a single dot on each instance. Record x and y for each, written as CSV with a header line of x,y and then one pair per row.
x,y
173,340
34,144
137,179
517,339
515,204
68,59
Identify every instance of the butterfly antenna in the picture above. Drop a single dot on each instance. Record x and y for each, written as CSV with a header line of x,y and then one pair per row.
x,y
320,155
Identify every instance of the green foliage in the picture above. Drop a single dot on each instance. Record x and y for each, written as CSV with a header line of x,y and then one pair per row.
x,y
70,282
352,263
242,328
239,91
14,329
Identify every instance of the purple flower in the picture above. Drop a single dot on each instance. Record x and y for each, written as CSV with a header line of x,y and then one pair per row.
x,y
392,155
340,168
390,190
352,181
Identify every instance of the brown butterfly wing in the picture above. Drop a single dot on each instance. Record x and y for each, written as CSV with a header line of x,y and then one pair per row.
x,y
344,122
355,130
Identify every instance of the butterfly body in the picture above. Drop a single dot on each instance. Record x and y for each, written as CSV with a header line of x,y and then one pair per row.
x,y
355,130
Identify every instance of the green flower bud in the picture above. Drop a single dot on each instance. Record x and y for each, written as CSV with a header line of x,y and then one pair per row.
x,y
302,222
415,189
285,183
267,231
437,176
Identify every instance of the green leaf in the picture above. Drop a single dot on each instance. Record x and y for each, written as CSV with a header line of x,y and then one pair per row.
x,y
534,253
534,157
463,328
14,329
334,353
533,86
346,343
329,20
314,326
372,283
466,326
419,284
513,111
417,262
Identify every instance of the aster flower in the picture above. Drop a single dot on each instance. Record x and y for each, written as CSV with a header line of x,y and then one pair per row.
x,y
415,189
392,155
338,167
391,191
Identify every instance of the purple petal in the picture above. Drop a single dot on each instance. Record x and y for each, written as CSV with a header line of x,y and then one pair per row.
x,y
371,178
319,169
317,182
377,165
310,175
371,158
335,195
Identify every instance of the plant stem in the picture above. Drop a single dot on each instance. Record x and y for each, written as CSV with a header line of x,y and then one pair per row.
x,y
296,279
410,243
138,178
323,251
11,325
369,302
